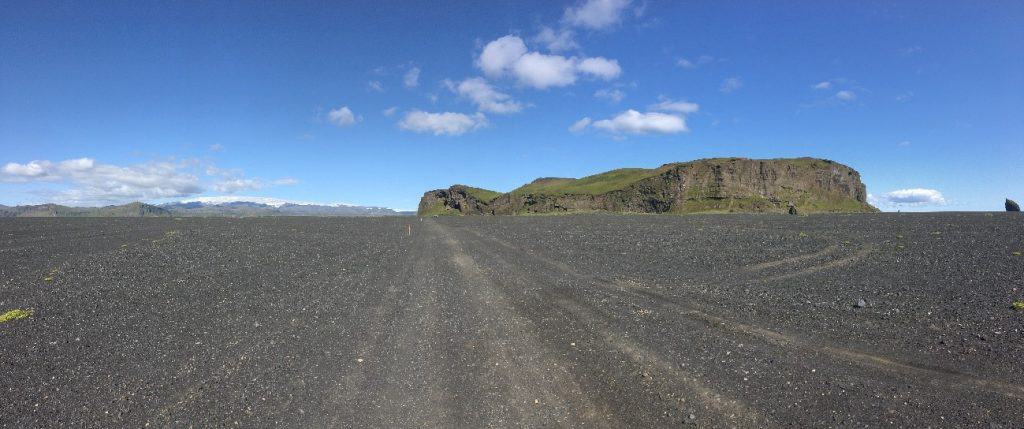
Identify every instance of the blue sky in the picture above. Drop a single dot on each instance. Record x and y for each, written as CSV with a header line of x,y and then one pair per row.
x,y
375,102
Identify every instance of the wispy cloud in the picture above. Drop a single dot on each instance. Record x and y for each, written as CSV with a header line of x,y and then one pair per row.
x,y
846,95
692,64
557,40
612,95
730,85
596,14
342,117
412,78
234,185
580,125
668,105
443,123
485,96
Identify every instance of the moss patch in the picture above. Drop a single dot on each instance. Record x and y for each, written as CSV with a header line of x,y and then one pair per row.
x,y
1018,305
15,315
50,276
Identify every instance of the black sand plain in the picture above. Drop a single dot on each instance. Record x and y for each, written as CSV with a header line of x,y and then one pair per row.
x,y
564,321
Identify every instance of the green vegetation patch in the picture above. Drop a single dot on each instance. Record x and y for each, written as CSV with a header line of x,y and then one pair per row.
x,y
485,195
1018,305
591,185
437,209
15,315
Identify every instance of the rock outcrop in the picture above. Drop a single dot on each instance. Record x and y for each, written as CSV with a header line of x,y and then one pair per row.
x,y
1012,206
708,185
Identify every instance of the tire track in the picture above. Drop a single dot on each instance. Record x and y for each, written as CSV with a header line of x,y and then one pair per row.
x,y
936,377
667,383
538,389
793,259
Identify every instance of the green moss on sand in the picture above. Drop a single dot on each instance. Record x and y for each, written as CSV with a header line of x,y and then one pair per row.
x,y
15,315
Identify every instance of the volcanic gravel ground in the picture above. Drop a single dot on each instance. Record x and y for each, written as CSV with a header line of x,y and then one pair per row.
x,y
596,320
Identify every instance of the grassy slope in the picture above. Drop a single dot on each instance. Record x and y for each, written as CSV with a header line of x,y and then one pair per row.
x,y
485,195
590,185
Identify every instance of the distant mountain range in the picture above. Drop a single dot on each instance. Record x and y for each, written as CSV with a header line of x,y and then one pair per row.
x,y
198,208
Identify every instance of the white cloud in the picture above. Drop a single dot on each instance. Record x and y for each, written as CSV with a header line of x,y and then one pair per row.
x,y
684,107
634,122
542,71
915,196
375,85
731,84
216,147
600,67
286,181
76,165
557,41
846,95
90,182
485,96
612,95
234,185
390,111
580,125
595,14
446,123
701,60
823,85
903,143
412,78
499,55
31,170
342,117
508,56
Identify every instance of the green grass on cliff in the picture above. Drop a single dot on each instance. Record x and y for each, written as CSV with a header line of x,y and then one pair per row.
x,y
485,195
590,185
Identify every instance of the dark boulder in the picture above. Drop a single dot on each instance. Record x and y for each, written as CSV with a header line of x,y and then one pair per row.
x,y
1012,206
792,210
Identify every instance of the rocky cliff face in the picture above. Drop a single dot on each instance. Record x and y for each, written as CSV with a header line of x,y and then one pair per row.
x,y
709,185
457,199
